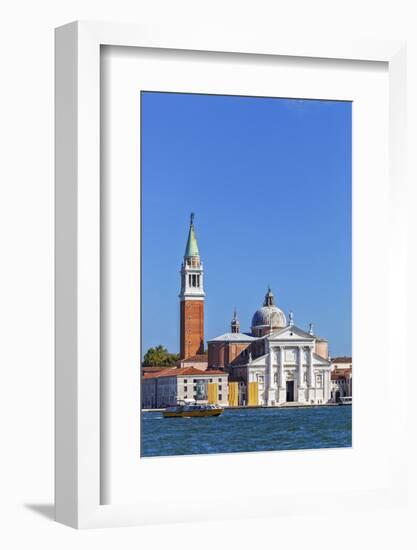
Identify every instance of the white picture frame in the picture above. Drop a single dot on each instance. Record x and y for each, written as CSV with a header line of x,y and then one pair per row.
x,y
78,405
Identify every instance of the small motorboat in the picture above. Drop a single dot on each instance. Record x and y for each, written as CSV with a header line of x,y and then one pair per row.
x,y
188,410
345,400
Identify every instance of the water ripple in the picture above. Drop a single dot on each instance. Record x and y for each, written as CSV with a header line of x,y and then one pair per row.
x,y
244,430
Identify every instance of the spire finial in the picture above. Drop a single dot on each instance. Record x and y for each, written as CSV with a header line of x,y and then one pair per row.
x,y
192,218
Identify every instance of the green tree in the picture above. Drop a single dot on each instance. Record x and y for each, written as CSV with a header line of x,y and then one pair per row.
x,y
159,356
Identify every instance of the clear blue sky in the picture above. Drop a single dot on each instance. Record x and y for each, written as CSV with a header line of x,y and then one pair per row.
x,y
270,183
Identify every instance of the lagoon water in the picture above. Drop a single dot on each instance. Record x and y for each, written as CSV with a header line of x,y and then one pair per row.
x,y
243,430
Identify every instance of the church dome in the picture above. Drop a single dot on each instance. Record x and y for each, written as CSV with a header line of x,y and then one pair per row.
x,y
269,315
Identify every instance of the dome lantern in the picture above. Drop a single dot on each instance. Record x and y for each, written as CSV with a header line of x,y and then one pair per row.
x,y
269,298
269,317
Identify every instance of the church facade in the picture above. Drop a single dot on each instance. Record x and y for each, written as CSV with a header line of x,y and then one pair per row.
x,y
274,363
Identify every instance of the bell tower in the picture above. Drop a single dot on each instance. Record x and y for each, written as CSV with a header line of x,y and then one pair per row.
x,y
191,298
235,325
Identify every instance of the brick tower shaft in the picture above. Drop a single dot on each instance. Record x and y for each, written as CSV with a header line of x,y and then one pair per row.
x,y
192,328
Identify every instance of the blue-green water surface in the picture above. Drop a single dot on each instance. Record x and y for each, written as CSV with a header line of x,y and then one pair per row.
x,y
243,430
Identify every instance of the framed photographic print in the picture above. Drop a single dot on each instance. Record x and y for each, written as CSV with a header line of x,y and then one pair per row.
x,y
275,174
228,213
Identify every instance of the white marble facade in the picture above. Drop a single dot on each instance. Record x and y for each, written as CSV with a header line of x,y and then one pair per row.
x,y
290,370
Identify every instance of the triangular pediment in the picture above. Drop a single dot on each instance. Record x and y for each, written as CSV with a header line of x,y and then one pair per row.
x,y
318,360
259,361
290,333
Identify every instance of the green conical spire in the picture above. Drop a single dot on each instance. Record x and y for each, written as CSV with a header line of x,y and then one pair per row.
x,y
192,248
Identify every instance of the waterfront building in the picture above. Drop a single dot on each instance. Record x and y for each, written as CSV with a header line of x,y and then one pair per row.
x,y
342,362
167,387
276,363
341,378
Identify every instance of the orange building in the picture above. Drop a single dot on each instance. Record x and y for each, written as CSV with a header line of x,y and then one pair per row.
x,y
341,378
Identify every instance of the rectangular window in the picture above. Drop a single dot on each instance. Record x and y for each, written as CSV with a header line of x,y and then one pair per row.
x,y
220,388
220,396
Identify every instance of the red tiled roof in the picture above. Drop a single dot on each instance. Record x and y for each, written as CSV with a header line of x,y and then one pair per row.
x,y
202,358
156,368
185,371
344,359
341,373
